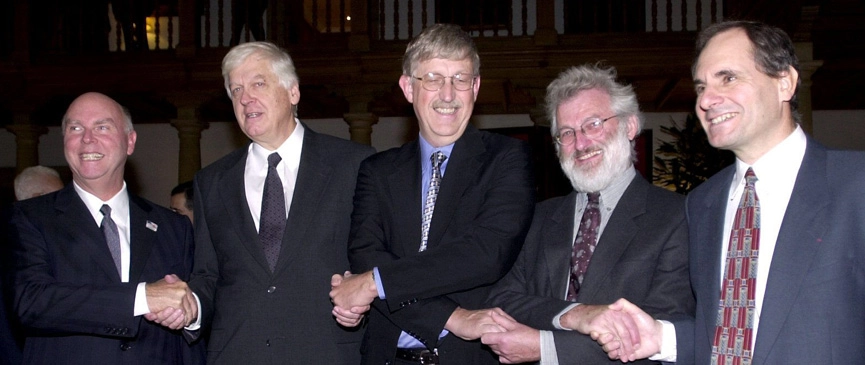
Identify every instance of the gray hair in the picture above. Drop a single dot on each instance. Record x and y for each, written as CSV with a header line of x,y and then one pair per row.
x,y
280,62
446,41
569,83
31,181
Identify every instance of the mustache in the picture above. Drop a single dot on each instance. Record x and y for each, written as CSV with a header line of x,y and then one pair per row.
x,y
443,104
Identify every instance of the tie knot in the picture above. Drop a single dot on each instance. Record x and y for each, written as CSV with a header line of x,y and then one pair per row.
x,y
594,198
437,158
750,177
273,159
105,210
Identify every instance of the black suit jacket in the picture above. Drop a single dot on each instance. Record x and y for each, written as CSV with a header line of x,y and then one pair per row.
x,y
481,217
642,256
256,316
68,293
812,310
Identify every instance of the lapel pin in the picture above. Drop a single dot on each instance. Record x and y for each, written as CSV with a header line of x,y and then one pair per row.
x,y
151,226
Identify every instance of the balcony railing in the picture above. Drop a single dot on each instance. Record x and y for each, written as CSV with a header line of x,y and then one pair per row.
x,y
80,27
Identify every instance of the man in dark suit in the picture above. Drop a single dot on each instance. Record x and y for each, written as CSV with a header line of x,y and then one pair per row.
x,y
93,258
809,282
428,278
263,291
639,250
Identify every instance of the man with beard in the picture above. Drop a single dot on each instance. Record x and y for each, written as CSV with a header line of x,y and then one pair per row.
x,y
615,236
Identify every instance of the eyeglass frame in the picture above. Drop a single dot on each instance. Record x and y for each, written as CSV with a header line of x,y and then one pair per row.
x,y
594,131
441,84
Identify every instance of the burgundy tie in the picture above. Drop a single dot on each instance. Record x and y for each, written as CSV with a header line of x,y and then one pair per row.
x,y
735,323
584,245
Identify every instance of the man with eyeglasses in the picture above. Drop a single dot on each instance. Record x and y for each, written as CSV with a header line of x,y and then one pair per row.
x,y
437,221
615,236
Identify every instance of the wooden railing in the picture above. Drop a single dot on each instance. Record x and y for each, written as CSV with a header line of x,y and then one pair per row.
x,y
124,26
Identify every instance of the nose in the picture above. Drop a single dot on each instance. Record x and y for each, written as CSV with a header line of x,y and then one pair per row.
x,y
581,141
447,91
246,98
708,99
87,136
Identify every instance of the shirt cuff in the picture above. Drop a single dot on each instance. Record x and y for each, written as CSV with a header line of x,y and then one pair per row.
x,y
668,343
557,320
378,287
195,326
549,356
141,307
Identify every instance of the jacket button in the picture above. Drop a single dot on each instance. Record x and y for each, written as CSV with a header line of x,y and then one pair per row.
x,y
271,289
125,346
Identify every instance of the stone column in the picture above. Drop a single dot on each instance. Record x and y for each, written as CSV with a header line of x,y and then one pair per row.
x,y
189,133
26,141
360,126
807,67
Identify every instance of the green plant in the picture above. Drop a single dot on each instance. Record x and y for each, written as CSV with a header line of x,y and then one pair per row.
x,y
687,159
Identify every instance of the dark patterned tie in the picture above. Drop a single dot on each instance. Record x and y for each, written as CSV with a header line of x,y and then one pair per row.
x,y
584,245
272,224
429,204
112,236
735,323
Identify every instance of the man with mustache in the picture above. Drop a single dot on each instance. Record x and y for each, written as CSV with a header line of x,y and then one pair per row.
x,y
437,221
614,236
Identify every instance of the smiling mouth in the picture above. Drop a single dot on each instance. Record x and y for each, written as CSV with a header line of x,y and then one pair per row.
x,y
252,115
93,156
588,155
442,110
722,118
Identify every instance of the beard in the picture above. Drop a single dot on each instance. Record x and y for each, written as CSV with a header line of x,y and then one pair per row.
x,y
617,155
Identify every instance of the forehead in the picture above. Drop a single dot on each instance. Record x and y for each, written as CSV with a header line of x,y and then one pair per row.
x,y
94,111
730,49
444,66
253,67
585,104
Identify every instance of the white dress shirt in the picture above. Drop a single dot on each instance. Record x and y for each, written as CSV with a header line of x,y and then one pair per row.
x,y
255,171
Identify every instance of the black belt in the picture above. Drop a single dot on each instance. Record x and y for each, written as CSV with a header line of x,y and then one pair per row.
x,y
419,356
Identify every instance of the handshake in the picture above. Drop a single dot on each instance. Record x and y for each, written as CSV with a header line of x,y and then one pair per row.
x,y
171,303
622,329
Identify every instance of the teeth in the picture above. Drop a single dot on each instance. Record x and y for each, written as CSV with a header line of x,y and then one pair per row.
x,y
91,156
445,110
589,155
722,117
252,115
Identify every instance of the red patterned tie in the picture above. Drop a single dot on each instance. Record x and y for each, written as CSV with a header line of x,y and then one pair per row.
x,y
584,245
735,323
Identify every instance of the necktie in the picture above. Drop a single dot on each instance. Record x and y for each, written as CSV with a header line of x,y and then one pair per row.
x,y
429,204
112,236
584,245
272,222
735,322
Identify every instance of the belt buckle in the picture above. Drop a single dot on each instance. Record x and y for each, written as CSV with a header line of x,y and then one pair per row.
x,y
429,357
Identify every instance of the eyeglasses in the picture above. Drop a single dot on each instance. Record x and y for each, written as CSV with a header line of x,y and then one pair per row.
x,y
591,128
434,82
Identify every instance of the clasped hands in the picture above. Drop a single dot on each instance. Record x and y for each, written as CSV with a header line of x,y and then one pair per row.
x,y
351,296
623,330
171,303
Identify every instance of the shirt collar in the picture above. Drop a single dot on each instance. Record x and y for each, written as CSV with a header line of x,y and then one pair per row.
x,y
781,163
119,204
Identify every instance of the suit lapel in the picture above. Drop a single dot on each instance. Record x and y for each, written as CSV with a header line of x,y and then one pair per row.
x,y
466,159
141,238
617,236
403,184
803,225
232,193
557,245
312,179
706,250
83,232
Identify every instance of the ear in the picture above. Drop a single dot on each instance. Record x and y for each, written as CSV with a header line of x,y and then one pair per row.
x,y
294,94
476,88
633,124
130,142
405,83
787,84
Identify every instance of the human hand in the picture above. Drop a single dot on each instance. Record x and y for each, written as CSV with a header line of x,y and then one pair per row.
x,y
603,319
353,293
518,344
472,324
346,317
650,332
168,295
